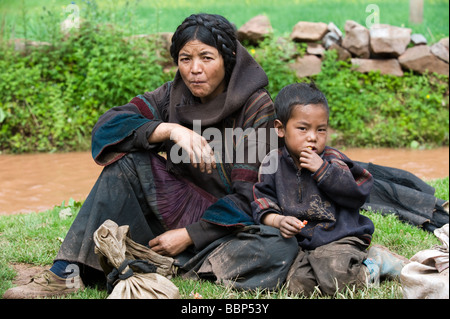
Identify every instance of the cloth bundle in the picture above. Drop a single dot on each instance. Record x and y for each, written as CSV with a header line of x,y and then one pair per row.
x,y
426,276
133,270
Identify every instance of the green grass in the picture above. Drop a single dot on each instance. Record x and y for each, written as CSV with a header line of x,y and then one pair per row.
x,y
154,16
35,239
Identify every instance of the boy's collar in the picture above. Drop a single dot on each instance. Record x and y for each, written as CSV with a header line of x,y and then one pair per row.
x,y
288,157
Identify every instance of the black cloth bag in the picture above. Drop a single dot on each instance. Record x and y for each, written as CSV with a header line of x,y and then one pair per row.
x,y
402,193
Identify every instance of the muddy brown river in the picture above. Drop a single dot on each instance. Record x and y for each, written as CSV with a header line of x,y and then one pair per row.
x,y
37,182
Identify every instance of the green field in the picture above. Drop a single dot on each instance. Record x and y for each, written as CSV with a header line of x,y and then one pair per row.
x,y
155,15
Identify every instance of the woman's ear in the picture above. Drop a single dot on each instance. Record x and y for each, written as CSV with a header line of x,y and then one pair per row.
x,y
279,128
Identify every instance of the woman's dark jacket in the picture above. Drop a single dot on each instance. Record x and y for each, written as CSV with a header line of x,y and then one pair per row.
x,y
244,107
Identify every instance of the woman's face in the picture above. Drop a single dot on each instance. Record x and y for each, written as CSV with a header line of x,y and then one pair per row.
x,y
202,69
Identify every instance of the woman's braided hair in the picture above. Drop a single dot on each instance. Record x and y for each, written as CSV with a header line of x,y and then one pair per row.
x,y
211,29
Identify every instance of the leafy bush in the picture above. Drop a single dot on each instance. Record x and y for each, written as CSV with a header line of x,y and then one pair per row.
x,y
51,96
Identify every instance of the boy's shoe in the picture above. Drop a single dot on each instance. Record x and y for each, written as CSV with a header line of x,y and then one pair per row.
x,y
372,273
46,284
383,263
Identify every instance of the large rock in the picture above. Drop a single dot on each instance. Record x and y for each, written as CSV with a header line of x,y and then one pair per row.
x,y
333,28
315,49
421,59
444,41
309,31
307,66
356,39
385,66
331,38
256,29
440,50
418,39
389,40
343,54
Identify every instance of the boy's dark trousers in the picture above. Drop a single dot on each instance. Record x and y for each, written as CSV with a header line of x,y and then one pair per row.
x,y
330,267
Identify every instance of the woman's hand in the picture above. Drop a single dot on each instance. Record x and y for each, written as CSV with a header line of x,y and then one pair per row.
x,y
171,243
200,152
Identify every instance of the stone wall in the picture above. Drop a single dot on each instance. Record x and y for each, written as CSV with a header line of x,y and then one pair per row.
x,y
386,48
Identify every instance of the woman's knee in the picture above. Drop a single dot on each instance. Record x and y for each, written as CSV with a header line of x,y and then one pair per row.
x,y
280,247
273,248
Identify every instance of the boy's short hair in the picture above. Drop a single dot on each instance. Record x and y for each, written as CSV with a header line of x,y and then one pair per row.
x,y
298,94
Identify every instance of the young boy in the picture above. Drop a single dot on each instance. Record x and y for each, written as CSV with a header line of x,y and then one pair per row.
x,y
315,194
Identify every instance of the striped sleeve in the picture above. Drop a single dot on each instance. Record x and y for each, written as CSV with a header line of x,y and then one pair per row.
x,y
125,128
344,181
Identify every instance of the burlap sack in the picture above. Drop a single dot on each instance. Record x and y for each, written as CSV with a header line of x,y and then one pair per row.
x,y
426,276
133,270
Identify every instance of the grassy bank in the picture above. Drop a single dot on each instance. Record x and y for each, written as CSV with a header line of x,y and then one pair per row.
x,y
35,239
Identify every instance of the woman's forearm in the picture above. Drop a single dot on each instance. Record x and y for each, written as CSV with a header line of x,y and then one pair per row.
x,y
196,146
162,132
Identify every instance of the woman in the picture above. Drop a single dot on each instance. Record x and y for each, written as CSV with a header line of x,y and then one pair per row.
x,y
194,206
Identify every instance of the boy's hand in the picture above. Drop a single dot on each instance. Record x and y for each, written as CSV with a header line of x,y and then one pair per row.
x,y
290,226
310,160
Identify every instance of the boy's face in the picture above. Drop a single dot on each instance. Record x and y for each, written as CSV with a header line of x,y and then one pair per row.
x,y
306,128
